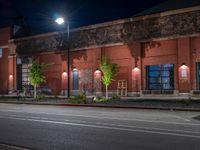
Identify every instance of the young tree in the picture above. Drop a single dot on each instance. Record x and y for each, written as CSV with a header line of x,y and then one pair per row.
x,y
36,75
109,71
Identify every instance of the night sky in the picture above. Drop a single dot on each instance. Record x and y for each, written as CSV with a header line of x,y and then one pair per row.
x,y
40,14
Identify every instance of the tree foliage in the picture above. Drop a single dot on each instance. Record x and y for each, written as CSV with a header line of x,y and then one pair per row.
x,y
109,71
36,75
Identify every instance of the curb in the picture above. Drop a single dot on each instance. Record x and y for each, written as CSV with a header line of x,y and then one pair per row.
x,y
109,106
133,107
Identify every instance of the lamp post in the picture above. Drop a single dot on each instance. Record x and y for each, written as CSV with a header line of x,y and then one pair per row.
x,y
60,21
68,63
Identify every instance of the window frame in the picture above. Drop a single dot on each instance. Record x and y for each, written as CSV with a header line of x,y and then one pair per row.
x,y
163,71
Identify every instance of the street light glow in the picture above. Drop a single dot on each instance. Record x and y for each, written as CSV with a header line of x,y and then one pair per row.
x,y
59,21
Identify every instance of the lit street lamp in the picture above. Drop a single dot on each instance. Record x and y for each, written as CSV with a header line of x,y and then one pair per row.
x,y
60,21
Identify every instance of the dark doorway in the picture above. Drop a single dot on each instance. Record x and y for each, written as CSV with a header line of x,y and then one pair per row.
x,y
75,80
19,77
198,75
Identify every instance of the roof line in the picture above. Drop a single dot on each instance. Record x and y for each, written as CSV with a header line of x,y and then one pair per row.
x,y
115,22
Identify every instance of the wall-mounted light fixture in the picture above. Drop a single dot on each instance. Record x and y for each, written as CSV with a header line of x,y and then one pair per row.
x,y
184,71
75,69
64,73
135,73
11,84
136,78
10,76
183,66
136,69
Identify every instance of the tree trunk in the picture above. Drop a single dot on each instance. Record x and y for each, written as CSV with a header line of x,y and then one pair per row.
x,y
106,92
35,91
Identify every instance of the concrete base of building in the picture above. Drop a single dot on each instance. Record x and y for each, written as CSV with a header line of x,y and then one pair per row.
x,y
175,94
159,93
133,94
63,93
195,92
98,94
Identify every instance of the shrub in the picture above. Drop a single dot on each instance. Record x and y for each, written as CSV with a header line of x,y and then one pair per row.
x,y
98,99
40,96
115,97
79,99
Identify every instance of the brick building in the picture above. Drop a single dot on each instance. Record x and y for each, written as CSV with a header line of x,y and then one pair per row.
x,y
7,62
157,53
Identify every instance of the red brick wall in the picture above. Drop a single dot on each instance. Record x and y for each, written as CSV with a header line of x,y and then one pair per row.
x,y
4,72
184,58
4,35
157,53
4,67
176,51
53,72
195,57
121,55
11,73
86,59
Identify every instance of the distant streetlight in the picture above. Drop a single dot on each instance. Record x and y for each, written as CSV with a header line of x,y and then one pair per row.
x,y
60,20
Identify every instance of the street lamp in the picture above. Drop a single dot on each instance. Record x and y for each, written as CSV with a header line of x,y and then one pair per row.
x,y
60,21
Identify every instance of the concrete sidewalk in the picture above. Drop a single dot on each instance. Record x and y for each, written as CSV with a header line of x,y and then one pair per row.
x,y
166,103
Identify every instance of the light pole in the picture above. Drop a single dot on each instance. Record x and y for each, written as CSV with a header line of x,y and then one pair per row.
x,y
60,21
68,63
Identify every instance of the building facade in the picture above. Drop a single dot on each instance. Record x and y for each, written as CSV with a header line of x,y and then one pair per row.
x,y
156,54
7,63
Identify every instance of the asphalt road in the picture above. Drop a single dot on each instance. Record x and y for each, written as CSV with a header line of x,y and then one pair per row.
x,y
81,128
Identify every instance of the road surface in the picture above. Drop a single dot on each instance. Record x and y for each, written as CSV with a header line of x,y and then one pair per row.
x,y
42,127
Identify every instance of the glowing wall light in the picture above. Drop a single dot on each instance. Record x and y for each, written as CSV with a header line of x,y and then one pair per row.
x,y
64,74
10,76
184,71
75,69
11,84
136,69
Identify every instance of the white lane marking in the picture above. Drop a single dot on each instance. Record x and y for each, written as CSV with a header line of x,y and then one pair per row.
x,y
175,116
124,119
110,118
146,128
106,127
13,147
108,124
33,117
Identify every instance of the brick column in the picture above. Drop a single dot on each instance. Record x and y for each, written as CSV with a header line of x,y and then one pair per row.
x,y
184,65
11,73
